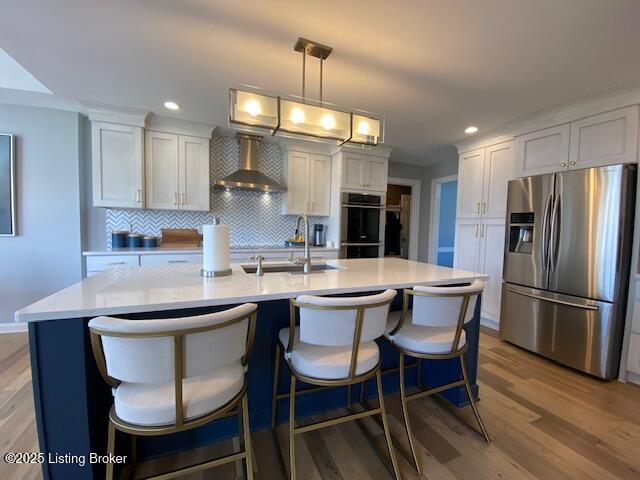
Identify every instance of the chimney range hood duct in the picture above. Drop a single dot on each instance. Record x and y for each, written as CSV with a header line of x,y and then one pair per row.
x,y
248,176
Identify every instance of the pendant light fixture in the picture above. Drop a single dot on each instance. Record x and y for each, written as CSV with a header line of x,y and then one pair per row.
x,y
302,116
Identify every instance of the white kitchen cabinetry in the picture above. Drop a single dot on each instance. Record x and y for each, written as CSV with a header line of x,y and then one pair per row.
x,y
467,244
308,178
98,263
193,173
543,151
605,139
633,357
470,177
364,172
177,171
492,239
117,165
169,259
483,177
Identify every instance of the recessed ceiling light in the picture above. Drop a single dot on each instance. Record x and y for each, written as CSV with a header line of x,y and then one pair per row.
x,y
471,129
171,105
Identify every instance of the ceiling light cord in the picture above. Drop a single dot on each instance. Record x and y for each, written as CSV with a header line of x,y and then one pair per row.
x,y
304,73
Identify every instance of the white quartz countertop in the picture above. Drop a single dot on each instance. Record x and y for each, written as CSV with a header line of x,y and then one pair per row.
x,y
172,251
124,290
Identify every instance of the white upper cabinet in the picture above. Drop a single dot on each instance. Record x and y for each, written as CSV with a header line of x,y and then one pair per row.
x,y
177,171
117,163
193,173
308,178
320,185
353,170
470,177
498,170
543,151
364,172
161,158
605,139
376,170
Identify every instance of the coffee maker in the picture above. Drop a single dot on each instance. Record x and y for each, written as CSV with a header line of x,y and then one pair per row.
x,y
318,235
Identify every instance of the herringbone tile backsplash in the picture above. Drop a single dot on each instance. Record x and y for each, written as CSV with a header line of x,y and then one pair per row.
x,y
254,218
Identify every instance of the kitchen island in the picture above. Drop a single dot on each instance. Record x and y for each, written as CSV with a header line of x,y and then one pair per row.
x,y
72,401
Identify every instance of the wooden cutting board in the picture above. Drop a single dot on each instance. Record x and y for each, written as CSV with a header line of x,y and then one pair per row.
x,y
180,238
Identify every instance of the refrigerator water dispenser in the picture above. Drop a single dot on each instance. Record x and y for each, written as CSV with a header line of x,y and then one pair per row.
x,y
521,232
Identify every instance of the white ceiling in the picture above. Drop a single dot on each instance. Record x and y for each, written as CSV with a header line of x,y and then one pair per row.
x,y
431,67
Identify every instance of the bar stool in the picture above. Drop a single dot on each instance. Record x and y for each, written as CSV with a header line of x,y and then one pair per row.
x,y
334,346
170,375
434,330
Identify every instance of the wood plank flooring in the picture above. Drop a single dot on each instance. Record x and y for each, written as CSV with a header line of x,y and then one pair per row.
x,y
546,422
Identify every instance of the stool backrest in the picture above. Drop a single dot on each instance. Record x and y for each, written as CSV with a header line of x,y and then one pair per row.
x,y
443,306
332,321
152,351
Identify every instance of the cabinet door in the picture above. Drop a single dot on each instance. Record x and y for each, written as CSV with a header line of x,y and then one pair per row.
x,y
320,185
633,357
544,151
470,176
376,169
606,139
161,160
298,165
156,260
467,245
492,238
498,170
353,170
117,165
193,169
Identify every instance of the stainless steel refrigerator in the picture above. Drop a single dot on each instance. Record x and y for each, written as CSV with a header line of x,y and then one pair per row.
x,y
566,265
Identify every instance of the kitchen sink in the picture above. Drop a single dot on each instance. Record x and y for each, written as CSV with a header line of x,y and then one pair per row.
x,y
317,268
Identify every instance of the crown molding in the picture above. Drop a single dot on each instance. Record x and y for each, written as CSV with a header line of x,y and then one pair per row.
x,y
178,126
102,112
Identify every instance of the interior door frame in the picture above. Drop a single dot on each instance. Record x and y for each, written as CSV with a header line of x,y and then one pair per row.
x,y
415,211
434,215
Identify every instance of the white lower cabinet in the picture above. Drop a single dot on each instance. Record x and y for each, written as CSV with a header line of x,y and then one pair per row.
x,y
169,259
99,263
479,247
633,357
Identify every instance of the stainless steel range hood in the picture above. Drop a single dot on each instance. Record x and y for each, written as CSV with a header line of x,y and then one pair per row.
x,y
248,176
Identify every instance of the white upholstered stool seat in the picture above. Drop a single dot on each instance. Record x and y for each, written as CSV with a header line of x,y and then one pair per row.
x,y
422,338
329,363
153,404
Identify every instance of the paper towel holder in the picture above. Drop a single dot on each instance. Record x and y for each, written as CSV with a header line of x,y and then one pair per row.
x,y
213,273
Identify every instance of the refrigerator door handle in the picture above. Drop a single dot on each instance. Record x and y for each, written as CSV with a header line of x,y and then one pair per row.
x,y
555,234
544,244
552,300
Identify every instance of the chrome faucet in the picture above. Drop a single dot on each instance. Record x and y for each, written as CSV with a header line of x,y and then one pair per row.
x,y
259,270
306,260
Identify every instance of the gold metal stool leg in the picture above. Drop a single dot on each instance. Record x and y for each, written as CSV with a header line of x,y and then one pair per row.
x,y
247,437
276,375
472,401
292,426
385,424
405,414
111,444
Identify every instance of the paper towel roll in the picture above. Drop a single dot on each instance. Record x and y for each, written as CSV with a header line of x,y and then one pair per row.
x,y
215,248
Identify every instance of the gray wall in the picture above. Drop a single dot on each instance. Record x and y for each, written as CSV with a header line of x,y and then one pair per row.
x,y
45,256
444,165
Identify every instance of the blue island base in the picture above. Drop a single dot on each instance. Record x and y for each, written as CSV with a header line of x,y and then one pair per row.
x,y
72,401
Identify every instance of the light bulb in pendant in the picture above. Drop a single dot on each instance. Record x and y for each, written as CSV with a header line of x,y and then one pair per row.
x,y
297,115
328,122
363,127
252,107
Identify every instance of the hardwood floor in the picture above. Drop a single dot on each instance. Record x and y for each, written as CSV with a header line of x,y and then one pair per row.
x,y
546,422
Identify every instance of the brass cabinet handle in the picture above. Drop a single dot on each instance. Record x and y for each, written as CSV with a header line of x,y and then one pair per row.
x,y
138,195
484,207
482,231
563,164
184,198
175,198
572,162
478,208
477,229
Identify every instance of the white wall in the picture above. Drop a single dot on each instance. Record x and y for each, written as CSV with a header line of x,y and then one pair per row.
x,y
446,163
45,256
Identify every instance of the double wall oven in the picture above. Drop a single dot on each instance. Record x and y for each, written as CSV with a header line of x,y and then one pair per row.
x,y
362,227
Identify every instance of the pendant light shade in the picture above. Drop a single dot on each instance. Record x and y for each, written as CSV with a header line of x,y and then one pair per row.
x,y
278,114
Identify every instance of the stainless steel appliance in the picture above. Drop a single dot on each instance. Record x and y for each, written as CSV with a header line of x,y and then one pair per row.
x,y
566,268
362,226
318,235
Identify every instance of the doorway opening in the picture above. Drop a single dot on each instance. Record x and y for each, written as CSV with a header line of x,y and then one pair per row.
x,y
444,192
401,218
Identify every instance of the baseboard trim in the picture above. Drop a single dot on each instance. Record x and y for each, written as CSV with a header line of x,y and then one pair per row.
x,y
13,327
633,377
492,324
